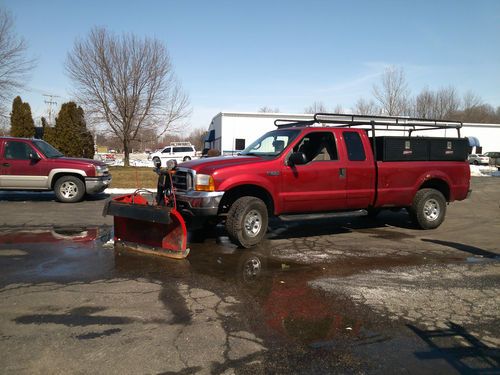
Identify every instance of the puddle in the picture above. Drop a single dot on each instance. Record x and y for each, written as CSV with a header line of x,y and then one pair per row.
x,y
474,260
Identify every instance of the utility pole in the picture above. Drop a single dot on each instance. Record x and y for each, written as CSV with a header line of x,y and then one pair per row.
x,y
50,102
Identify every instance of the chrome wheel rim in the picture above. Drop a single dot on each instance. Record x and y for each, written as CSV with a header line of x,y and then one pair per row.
x,y
68,189
253,223
431,210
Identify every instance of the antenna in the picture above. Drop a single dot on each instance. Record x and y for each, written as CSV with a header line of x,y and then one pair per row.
x,y
50,102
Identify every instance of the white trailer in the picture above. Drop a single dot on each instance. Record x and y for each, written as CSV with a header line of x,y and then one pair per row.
x,y
231,132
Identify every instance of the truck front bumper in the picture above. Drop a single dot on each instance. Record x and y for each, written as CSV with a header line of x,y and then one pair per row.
x,y
94,185
199,203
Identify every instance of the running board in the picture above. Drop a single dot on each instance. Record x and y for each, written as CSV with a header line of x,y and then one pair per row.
x,y
323,215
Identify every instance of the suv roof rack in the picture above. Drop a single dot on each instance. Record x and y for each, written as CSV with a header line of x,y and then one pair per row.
x,y
180,144
373,123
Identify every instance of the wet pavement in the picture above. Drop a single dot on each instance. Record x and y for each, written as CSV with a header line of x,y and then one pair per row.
x,y
332,296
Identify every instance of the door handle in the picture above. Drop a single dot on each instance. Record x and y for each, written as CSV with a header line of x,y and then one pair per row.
x,y
342,172
5,165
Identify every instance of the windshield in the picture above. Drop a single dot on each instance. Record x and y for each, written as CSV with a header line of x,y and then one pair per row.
x,y
47,150
272,143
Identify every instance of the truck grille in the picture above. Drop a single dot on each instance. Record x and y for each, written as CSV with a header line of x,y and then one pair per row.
x,y
182,180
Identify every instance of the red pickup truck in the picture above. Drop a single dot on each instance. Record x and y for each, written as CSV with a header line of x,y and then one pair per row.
x,y
33,164
309,170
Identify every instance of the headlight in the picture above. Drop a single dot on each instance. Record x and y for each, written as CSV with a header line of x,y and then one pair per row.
x,y
101,170
171,164
204,182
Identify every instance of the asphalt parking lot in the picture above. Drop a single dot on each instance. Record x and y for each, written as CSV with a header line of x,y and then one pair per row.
x,y
332,296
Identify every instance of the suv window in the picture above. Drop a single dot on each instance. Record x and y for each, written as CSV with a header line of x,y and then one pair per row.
x,y
18,150
318,146
355,149
183,149
167,150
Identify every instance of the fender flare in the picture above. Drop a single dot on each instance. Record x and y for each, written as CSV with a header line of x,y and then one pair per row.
x,y
55,171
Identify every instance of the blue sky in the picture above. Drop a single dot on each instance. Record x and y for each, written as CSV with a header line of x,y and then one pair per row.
x,y
241,55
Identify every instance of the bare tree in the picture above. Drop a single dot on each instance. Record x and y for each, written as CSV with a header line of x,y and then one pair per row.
x,y
128,83
424,105
442,104
266,109
14,65
364,107
471,100
197,138
392,94
447,102
316,107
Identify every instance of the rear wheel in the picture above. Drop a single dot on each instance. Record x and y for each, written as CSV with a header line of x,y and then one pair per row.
x,y
69,189
428,209
247,221
186,158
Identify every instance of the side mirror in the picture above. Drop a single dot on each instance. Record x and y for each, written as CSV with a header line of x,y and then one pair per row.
x,y
297,158
157,163
34,156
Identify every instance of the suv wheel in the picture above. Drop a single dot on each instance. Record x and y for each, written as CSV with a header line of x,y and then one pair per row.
x,y
156,159
69,189
246,221
186,158
428,209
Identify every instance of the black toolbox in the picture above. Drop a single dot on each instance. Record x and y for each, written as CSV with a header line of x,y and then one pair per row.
x,y
421,148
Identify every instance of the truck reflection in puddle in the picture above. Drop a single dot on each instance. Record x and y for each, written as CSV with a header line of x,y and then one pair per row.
x,y
289,307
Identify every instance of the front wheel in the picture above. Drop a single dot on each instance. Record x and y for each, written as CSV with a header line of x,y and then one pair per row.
x,y
186,158
69,189
428,209
246,221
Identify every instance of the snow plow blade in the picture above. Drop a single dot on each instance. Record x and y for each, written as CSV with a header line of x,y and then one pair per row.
x,y
148,229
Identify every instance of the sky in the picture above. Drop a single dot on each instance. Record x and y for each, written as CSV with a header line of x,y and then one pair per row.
x,y
242,55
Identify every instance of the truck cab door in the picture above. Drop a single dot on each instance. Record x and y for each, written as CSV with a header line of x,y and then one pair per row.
x,y
19,170
360,171
320,184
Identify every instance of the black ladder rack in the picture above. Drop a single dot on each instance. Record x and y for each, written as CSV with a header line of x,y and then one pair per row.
x,y
386,123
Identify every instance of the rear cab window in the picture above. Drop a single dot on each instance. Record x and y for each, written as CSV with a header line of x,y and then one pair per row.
x,y
354,146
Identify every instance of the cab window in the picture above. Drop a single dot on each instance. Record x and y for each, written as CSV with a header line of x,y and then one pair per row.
x,y
18,151
318,146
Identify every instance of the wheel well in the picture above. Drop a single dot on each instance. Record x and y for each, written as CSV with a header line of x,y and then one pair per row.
x,y
61,174
439,185
246,190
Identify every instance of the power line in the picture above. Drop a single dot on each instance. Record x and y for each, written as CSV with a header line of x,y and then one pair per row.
x,y
50,102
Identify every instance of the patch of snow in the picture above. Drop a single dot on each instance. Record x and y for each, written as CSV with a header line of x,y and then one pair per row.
x,y
482,170
120,191
133,163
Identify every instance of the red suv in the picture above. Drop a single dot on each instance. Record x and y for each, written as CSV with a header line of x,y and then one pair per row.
x,y
33,164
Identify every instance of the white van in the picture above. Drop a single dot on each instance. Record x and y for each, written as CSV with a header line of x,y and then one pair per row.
x,y
180,151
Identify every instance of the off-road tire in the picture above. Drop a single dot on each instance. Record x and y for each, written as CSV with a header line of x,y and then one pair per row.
x,y
428,209
246,221
69,189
